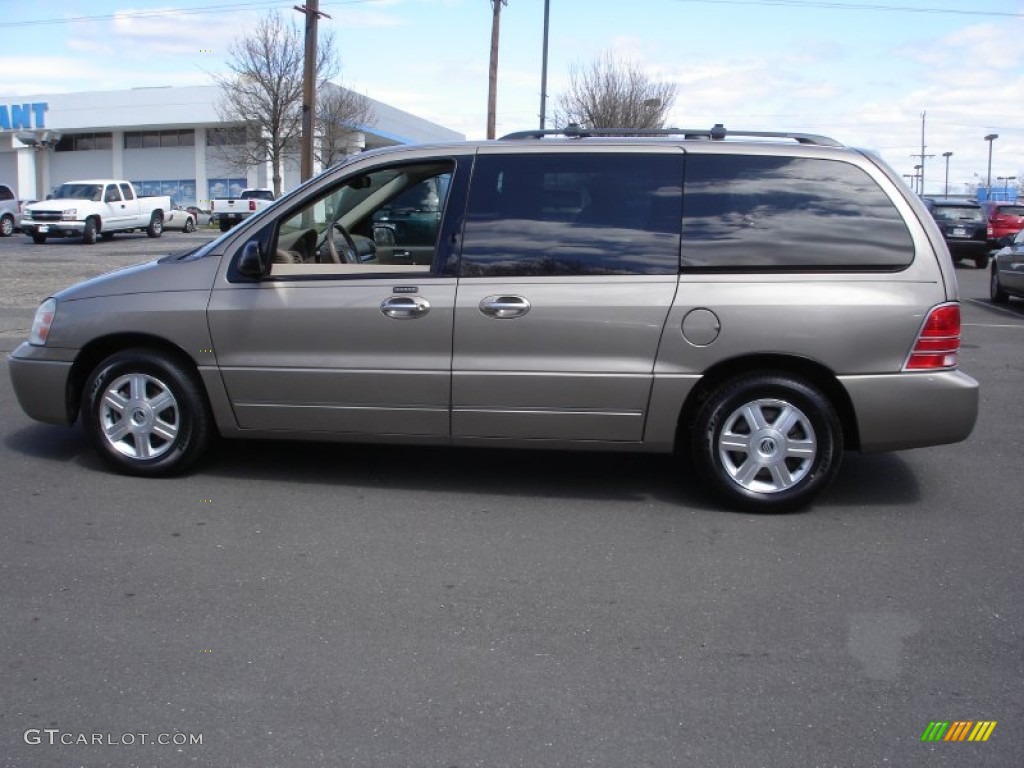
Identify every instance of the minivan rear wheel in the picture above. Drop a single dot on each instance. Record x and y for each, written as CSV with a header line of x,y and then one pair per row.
x,y
767,442
145,413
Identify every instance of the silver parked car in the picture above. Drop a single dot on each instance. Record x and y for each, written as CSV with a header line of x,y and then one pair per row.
x,y
1007,277
10,211
758,302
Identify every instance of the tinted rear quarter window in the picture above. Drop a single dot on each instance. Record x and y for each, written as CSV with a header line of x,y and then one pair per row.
x,y
788,213
573,214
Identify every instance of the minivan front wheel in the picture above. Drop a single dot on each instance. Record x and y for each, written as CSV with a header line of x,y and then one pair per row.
x,y
145,413
767,442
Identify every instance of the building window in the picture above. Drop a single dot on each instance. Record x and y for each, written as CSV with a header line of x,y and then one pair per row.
x,y
221,137
80,142
181,191
153,139
226,187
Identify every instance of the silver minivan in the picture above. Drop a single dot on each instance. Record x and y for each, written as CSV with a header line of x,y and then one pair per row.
x,y
759,303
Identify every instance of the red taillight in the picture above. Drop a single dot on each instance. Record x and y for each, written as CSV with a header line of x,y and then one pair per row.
x,y
252,205
938,343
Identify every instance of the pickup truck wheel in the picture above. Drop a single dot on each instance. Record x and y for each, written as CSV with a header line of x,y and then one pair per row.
x,y
156,225
6,226
224,225
767,442
145,413
38,239
90,231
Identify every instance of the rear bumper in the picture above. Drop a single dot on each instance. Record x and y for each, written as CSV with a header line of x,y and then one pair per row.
x,y
913,410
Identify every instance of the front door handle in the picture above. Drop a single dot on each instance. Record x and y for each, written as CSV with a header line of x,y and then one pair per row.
x,y
404,307
504,307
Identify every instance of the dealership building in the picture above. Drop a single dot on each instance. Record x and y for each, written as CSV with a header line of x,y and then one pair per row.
x,y
168,141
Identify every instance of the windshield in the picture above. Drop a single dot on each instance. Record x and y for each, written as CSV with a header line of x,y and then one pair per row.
x,y
80,191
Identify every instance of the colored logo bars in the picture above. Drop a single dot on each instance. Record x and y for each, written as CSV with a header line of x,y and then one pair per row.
x,y
958,730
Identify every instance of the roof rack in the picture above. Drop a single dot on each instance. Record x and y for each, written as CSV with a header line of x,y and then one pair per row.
x,y
717,132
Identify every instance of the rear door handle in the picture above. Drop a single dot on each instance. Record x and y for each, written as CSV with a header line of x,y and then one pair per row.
x,y
405,307
504,307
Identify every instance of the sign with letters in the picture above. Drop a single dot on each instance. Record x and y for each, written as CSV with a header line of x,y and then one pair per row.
x,y
23,117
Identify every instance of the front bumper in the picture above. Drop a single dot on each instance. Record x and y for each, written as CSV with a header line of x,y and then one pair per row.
x,y
913,410
53,228
41,385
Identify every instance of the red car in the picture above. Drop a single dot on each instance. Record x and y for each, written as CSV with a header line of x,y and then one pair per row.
x,y
1004,219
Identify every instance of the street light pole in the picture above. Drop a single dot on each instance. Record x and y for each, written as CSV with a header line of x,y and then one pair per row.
x,y
947,155
990,138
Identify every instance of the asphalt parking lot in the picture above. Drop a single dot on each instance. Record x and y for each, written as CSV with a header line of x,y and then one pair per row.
x,y
309,605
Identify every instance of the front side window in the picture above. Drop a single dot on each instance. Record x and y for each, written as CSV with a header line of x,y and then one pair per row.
x,y
384,221
573,214
790,213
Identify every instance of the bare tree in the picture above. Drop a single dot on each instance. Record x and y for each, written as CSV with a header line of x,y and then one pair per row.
x,y
263,93
614,93
340,113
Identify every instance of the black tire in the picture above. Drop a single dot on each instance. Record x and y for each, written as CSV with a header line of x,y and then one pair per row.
x,y
145,413
224,225
38,238
767,442
90,231
156,225
981,261
190,225
995,288
6,226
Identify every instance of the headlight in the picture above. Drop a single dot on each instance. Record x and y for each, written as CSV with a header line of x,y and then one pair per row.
x,y
42,322
69,214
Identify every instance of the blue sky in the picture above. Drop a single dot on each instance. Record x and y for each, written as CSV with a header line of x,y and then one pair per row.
x,y
862,72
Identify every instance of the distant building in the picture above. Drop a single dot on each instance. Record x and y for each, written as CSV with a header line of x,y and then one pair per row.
x,y
162,139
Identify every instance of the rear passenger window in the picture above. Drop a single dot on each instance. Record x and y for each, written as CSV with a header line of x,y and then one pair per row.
x,y
573,214
770,213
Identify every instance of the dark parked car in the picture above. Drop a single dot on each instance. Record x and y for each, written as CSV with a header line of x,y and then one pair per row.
x,y
964,226
1008,271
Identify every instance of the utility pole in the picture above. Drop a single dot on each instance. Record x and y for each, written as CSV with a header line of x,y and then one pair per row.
x,y
922,155
492,80
544,66
313,13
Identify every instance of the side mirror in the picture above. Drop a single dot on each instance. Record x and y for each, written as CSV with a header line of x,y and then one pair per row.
x,y
250,263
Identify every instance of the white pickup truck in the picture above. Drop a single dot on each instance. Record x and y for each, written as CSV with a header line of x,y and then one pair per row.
x,y
94,208
231,210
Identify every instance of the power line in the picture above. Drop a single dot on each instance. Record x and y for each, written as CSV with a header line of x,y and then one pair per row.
x,y
857,7
195,11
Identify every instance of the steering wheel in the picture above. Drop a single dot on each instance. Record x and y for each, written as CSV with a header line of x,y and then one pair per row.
x,y
351,255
